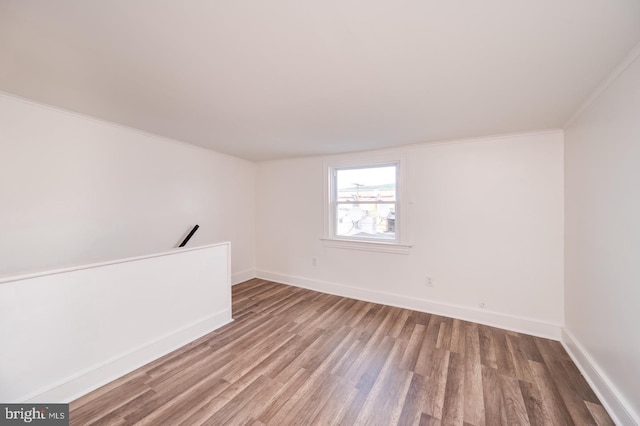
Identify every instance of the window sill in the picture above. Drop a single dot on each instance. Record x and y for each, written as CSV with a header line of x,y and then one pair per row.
x,y
366,245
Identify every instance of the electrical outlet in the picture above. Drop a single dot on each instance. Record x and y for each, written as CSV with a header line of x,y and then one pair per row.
x,y
314,261
481,304
428,282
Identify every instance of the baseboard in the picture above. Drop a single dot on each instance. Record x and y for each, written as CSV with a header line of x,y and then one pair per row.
x,y
99,375
609,396
496,319
242,276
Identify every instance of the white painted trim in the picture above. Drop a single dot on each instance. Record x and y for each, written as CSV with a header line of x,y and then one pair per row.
x,y
86,381
496,319
242,276
617,406
628,60
377,246
109,262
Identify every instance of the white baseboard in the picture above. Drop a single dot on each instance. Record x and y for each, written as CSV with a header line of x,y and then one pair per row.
x,y
242,276
609,396
99,375
496,319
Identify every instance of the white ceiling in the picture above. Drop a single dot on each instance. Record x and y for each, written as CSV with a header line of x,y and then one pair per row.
x,y
272,79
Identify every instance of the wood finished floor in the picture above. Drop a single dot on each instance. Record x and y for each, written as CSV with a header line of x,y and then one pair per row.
x,y
298,357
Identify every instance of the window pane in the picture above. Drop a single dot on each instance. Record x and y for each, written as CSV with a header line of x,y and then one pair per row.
x,y
366,220
366,184
366,202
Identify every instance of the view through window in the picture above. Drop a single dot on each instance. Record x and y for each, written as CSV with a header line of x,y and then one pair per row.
x,y
366,202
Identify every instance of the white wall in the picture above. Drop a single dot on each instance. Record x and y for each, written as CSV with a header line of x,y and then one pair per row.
x,y
65,333
486,220
602,164
75,190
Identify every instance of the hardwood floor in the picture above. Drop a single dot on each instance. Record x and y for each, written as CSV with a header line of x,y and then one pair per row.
x,y
298,357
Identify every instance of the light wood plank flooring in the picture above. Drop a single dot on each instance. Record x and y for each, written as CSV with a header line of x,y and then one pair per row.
x,y
298,357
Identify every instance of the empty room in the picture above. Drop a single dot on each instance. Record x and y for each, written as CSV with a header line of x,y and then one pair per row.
x,y
319,213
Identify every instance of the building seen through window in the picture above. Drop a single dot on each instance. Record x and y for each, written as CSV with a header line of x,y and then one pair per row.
x,y
365,202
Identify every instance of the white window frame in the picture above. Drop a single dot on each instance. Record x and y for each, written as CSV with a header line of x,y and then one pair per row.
x,y
400,244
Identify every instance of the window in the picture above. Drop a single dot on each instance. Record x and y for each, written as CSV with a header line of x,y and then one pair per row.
x,y
365,202
365,207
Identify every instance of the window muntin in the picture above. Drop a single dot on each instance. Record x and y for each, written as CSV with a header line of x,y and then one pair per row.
x,y
365,202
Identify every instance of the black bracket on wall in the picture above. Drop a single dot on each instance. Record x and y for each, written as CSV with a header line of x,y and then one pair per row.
x,y
188,237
